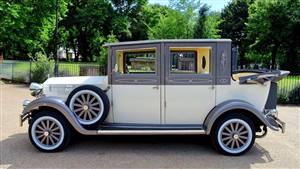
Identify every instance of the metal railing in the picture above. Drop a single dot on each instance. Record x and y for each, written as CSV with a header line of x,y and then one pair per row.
x,y
21,71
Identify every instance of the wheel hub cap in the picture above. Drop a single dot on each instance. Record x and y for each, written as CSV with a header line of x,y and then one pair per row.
x,y
85,107
236,136
46,133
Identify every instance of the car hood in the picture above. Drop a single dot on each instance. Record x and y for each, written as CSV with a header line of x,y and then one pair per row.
x,y
62,86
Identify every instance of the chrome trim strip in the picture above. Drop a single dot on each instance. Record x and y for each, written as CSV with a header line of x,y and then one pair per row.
x,y
150,132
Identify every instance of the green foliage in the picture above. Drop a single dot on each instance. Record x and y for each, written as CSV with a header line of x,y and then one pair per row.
x,y
272,29
102,60
294,96
42,67
199,31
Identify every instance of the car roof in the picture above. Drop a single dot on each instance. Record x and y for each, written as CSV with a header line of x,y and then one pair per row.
x,y
166,41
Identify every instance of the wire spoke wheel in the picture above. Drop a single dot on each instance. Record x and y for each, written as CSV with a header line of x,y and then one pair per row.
x,y
47,132
87,106
234,136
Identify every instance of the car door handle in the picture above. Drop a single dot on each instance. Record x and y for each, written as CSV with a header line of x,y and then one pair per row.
x,y
155,87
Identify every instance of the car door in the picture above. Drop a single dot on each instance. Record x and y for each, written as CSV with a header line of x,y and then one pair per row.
x,y
136,90
189,78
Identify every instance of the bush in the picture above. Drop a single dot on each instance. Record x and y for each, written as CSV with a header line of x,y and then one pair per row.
x,y
42,67
294,96
283,99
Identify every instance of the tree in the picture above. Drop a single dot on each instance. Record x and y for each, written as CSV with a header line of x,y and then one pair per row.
x,y
27,26
233,26
199,31
274,27
176,22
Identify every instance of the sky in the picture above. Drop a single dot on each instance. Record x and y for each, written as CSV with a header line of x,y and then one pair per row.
x,y
215,5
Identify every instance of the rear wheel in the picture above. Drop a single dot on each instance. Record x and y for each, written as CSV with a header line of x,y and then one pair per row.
x,y
49,132
233,135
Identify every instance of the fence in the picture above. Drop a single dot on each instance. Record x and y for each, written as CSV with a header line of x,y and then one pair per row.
x,y
21,71
289,89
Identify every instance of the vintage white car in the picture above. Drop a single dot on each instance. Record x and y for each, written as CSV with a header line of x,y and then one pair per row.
x,y
168,87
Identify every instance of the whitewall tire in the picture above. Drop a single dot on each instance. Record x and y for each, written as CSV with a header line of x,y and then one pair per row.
x,y
49,131
233,135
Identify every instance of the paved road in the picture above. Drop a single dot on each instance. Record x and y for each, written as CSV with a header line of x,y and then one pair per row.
x,y
274,151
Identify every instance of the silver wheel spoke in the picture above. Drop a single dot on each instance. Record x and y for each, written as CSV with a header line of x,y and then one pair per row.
x,y
85,115
47,124
242,127
226,138
94,104
43,124
78,109
47,140
94,113
55,137
52,125
56,128
55,133
77,99
83,98
42,141
243,137
88,98
78,105
91,101
51,140
232,144
81,113
228,142
236,127
226,128
40,127
237,143
89,115
40,132
95,108
240,140
231,127
40,136
244,132
226,134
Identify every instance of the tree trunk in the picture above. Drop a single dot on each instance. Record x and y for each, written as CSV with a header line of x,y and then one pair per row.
x,y
273,55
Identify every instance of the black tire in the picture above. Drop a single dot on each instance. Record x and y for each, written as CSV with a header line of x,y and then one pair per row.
x,y
65,138
220,135
103,98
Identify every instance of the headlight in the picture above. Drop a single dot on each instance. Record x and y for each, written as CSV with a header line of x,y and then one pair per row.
x,y
36,89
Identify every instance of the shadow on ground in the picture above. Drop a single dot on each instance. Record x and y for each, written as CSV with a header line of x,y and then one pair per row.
x,y
127,152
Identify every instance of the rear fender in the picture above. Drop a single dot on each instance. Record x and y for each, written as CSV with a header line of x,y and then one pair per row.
x,y
230,105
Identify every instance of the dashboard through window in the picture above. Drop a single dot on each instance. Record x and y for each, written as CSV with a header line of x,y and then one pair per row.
x,y
189,60
136,61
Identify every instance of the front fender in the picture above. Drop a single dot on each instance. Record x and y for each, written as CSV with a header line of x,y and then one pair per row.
x,y
59,105
233,105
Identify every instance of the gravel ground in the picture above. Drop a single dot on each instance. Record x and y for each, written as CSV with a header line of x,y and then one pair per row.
x,y
274,151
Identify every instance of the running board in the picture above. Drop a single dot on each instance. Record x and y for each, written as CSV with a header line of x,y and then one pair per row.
x,y
150,132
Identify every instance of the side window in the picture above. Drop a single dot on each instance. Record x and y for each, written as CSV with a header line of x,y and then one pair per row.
x,y
136,61
189,60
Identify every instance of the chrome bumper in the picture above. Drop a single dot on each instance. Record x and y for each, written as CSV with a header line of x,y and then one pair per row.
x,y
24,116
271,115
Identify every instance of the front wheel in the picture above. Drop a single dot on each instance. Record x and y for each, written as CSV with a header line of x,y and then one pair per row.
x,y
49,132
233,135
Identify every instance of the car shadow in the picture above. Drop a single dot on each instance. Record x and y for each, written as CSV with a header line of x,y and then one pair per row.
x,y
127,152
